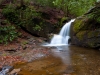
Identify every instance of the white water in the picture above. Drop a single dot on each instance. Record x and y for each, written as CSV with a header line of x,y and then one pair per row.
x,y
63,37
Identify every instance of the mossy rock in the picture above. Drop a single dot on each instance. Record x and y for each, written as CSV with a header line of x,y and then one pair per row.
x,y
86,29
94,33
80,24
81,35
39,27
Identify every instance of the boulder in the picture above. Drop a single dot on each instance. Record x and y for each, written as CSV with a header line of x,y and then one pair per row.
x,y
85,31
47,22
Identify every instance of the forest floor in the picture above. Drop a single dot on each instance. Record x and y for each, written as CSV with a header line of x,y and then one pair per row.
x,y
24,49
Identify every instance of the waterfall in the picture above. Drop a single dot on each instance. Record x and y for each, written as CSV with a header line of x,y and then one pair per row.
x,y
63,37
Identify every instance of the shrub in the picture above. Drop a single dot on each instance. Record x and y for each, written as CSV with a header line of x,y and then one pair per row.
x,y
11,14
8,34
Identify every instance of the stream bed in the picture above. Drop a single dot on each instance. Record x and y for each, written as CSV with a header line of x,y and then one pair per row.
x,y
66,60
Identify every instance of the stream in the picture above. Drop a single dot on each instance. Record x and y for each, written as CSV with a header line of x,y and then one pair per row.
x,y
66,60
63,59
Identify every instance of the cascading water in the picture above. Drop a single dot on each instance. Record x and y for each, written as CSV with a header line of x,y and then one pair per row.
x,y
63,37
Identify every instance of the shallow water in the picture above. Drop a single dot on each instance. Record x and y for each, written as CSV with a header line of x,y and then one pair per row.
x,y
69,60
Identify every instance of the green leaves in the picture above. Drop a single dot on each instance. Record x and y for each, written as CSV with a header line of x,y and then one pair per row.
x,y
8,34
37,28
76,7
45,2
94,15
11,14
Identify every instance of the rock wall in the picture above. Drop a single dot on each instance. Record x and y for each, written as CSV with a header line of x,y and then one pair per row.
x,y
85,31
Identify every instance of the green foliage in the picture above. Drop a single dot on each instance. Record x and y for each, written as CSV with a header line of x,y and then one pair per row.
x,y
81,35
8,34
95,15
10,13
27,1
77,25
37,28
45,2
1,1
62,20
29,14
82,6
74,7
61,4
20,16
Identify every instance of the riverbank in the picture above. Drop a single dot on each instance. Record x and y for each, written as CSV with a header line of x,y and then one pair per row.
x,y
24,49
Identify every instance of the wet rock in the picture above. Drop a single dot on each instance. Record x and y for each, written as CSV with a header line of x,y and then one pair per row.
x,y
5,70
31,39
7,67
15,71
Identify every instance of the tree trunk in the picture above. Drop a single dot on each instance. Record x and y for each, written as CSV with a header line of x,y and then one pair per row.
x,y
21,3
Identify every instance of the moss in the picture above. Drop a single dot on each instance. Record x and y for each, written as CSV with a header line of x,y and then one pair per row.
x,y
63,19
77,25
93,38
87,29
91,44
93,33
81,34
90,34
95,15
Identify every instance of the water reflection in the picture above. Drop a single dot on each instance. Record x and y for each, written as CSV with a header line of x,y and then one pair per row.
x,y
80,61
63,53
65,60
85,61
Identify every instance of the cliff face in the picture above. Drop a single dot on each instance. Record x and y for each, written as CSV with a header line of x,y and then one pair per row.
x,y
85,30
